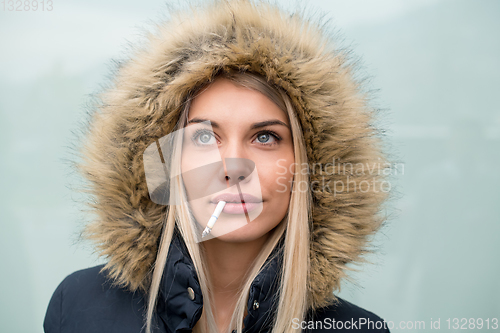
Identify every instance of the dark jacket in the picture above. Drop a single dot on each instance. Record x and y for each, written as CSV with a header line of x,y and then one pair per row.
x,y
87,302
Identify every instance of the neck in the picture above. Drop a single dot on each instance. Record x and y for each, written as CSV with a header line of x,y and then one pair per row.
x,y
228,265
229,262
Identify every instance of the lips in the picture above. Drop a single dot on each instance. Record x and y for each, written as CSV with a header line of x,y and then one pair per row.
x,y
234,204
235,198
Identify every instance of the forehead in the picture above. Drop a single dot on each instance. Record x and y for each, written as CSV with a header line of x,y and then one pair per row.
x,y
227,100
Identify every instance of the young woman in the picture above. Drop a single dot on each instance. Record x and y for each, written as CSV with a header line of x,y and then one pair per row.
x,y
272,122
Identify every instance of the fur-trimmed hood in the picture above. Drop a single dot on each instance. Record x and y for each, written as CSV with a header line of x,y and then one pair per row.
x,y
144,102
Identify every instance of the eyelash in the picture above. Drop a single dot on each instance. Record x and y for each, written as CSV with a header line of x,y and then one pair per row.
x,y
198,132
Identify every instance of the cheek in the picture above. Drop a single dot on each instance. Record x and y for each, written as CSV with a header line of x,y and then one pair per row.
x,y
276,177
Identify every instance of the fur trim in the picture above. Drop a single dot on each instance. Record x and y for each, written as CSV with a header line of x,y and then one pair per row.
x,y
144,104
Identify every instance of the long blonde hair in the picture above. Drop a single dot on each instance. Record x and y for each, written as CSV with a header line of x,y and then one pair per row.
x,y
294,227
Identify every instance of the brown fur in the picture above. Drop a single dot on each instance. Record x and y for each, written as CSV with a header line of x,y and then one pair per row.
x,y
144,104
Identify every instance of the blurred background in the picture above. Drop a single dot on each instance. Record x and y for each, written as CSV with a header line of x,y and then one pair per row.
x,y
436,66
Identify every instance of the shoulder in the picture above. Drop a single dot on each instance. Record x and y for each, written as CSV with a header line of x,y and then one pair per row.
x,y
81,281
86,301
343,316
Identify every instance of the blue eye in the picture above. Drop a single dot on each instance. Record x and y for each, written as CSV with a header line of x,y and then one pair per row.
x,y
203,138
264,137
268,138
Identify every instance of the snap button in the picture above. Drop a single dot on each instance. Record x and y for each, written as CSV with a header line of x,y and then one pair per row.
x,y
255,305
191,293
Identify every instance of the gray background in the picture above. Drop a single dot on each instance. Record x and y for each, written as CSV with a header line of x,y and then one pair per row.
x,y
436,65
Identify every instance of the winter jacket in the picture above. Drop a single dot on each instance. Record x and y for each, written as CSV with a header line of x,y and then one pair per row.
x,y
143,103
86,301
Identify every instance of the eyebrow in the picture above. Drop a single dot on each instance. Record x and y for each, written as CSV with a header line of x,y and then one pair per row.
x,y
254,125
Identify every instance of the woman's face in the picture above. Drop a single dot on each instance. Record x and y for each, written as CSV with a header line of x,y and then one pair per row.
x,y
245,152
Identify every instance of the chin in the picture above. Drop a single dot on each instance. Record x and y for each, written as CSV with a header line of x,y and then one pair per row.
x,y
246,233
238,235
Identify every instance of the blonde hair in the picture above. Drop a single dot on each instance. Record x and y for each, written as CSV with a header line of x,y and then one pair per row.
x,y
294,227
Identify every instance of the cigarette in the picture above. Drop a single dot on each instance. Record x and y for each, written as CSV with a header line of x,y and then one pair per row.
x,y
213,218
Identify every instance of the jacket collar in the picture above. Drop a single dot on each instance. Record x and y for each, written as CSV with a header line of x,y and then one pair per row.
x,y
181,302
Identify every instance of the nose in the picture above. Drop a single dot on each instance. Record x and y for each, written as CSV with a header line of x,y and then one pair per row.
x,y
237,166
237,169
